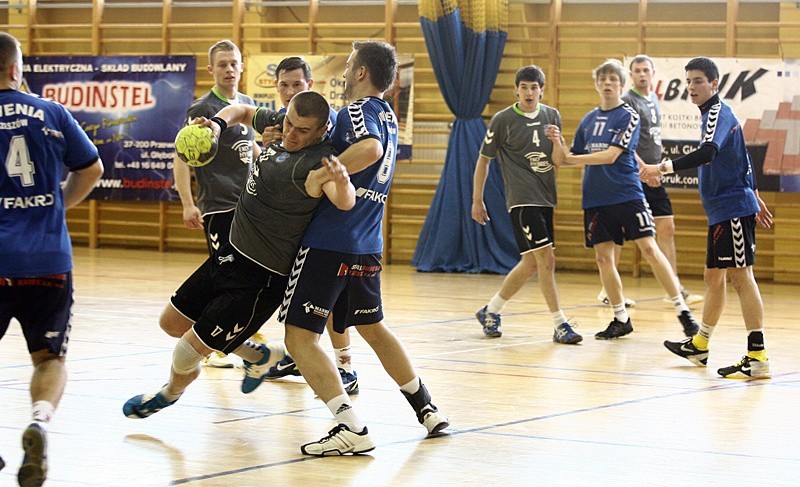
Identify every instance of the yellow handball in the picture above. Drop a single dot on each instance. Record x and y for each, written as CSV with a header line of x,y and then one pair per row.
x,y
196,145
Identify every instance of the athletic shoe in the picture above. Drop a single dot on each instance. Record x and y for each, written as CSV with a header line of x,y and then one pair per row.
x,y
34,464
428,415
686,349
2,463
615,329
255,372
221,361
283,368
490,322
603,298
748,367
349,381
690,298
340,441
564,333
690,326
259,338
145,405
435,422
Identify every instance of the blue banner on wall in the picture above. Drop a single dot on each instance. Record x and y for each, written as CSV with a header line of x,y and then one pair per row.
x,y
130,106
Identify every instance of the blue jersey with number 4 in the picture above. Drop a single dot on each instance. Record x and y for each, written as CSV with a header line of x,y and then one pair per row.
x,y
37,139
359,230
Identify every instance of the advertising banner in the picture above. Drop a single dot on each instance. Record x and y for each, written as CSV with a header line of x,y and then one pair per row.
x,y
765,96
327,72
131,107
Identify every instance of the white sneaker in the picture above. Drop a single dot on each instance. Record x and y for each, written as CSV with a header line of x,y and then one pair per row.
x,y
603,298
435,422
221,361
691,298
340,441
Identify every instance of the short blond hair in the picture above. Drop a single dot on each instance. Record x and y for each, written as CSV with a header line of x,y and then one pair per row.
x,y
610,66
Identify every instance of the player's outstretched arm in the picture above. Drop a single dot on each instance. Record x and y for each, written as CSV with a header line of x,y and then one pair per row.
x,y
80,183
553,132
607,156
361,155
230,115
479,213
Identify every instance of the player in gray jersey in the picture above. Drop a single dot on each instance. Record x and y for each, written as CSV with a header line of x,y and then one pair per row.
x,y
516,138
645,102
231,295
218,184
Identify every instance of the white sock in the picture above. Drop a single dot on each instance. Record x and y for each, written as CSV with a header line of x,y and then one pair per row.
x,y
706,331
42,411
679,303
496,304
559,317
343,359
620,313
412,386
342,410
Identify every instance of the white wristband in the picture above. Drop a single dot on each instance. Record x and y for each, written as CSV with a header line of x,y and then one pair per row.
x,y
666,167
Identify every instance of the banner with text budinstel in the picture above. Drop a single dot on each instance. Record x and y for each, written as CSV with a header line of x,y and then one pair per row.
x,y
131,107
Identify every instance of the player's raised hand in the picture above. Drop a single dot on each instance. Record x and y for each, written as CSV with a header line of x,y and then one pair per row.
x,y
553,133
336,170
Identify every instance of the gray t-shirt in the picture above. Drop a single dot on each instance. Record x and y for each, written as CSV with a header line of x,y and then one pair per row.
x,y
220,182
274,208
649,148
525,155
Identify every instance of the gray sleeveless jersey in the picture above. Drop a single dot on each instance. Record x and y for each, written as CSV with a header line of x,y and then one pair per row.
x,y
274,208
220,182
524,154
649,148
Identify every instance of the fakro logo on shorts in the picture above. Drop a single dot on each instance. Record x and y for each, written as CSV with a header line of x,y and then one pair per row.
x,y
314,309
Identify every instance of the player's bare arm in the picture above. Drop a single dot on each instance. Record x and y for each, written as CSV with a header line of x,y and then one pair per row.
x,y
183,184
553,132
80,183
479,213
607,156
333,180
361,155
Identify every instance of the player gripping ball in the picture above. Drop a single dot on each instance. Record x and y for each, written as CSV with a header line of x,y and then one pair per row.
x,y
196,145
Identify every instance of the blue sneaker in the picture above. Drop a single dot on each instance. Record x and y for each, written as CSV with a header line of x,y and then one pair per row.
x,y
33,470
283,368
564,333
145,405
490,322
256,372
349,381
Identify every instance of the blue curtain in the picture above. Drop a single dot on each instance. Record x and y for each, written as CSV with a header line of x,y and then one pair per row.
x,y
465,63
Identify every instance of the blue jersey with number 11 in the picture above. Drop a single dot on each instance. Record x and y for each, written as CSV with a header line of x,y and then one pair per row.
x,y
37,139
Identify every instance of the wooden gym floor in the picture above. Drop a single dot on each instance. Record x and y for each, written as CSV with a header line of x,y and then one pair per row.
x,y
524,411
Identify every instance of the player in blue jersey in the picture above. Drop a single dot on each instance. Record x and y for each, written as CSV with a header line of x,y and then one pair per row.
x,y
37,139
337,269
731,202
613,202
219,184
292,76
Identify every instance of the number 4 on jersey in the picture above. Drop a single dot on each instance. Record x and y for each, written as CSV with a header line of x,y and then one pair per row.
x,y
18,161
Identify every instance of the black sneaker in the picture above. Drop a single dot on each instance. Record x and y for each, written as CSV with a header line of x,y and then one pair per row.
x,y
686,349
690,327
748,367
2,463
615,329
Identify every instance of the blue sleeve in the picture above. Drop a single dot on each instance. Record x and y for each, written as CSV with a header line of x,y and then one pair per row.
x,y
627,130
80,152
719,124
579,142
